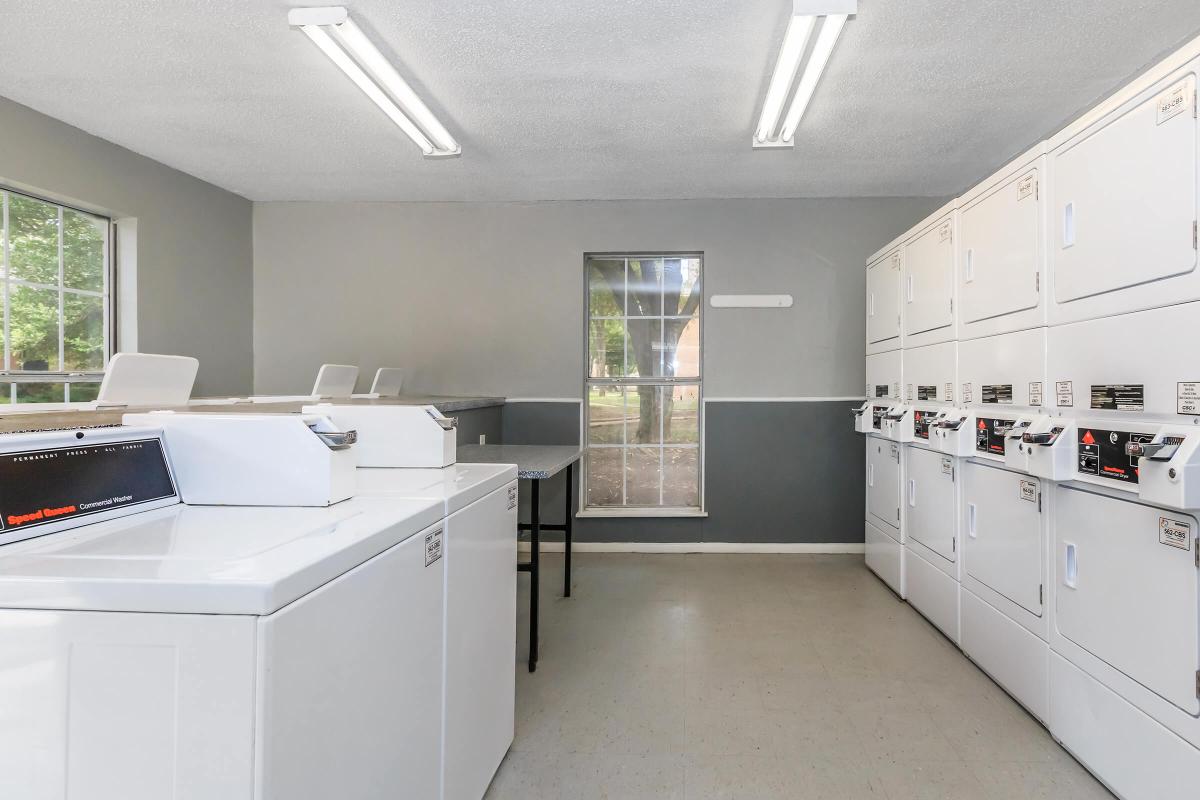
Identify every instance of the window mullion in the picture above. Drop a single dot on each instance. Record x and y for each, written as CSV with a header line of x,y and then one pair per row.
x,y
62,363
7,279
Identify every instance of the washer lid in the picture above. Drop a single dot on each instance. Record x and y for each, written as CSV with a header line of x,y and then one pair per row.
x,y
456,486
205,559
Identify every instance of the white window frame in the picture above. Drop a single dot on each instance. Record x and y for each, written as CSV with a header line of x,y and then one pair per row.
x,y
632,383
10,378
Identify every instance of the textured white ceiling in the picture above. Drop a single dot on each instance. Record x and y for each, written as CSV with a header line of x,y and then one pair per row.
x,y
572,99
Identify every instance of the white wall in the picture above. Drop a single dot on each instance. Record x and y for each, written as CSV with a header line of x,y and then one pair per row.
x,y
193,239
488,298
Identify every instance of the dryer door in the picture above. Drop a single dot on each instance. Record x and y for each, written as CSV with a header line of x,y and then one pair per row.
x,y
1127,589
930,497
1003,531
883,483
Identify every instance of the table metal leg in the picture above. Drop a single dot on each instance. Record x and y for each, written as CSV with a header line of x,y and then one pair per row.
x,y
567,537
535,519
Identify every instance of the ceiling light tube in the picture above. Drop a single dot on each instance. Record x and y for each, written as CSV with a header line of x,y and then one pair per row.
x,y
795,40
344,43
822,49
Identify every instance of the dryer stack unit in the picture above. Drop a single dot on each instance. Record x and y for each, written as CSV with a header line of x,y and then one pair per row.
x,y
931,497
1005,535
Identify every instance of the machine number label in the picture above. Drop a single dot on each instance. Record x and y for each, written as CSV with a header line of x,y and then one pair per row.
x,y
1119,397
966,393
1029,491
944,232
1187,398
433,547
1173,102
910,392
1175,533
949,393
947,466
1064,393
1026,186
896,390
896,260
1035,393
512,497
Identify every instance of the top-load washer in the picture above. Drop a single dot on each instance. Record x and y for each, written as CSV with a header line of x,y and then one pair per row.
x,y
1004,521
931,489
479,508
157,649
1125,638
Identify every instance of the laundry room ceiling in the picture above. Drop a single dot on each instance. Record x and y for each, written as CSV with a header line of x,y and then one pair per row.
x,y
582,99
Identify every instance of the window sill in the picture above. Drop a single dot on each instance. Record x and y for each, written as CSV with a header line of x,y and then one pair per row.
x,y
635,513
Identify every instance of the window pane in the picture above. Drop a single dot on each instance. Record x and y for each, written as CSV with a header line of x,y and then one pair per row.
x,y
83,250
645,423
681,417
83,392
642,476
34,329
643,357
681,477
40,393
681,347
33,247
645,287
606,348
606,287
604,476
681,286
606,415
83,332
5,393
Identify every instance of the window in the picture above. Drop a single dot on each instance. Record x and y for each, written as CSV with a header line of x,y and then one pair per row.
x,y
56,264
643,414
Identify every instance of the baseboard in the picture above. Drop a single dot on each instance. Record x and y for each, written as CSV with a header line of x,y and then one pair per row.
x,y
701,547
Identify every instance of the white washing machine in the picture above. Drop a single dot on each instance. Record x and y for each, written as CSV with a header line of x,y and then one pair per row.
x,y
479,506
883,526
1125,638
154,649
1004,518
931,497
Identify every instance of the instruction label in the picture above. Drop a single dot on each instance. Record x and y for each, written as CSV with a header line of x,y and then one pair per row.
x,y
1026,186
1035,393
1064,393
997,393
949,393
1029,491
1173,102
1187,398
512,497
927,392
966,393
433,547
947,466
1119,397
909,393
944,232
896,389
1175,533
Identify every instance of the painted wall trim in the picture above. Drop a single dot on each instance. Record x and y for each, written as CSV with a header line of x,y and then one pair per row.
x,y
859,398
852,548
576,400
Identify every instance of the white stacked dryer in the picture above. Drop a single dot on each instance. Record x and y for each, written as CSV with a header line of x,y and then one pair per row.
x,y
931,496
1004,521
1125,663
884,529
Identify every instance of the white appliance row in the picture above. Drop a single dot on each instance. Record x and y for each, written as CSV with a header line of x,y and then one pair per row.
x,y
224,605
1034,494
1099,219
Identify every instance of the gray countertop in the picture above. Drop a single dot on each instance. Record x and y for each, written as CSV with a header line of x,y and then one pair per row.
x,y
534,461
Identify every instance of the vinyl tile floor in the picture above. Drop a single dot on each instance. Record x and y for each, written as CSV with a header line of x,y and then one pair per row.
x,y
756,677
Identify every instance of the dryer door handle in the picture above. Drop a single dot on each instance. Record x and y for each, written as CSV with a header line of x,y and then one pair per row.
x,y
1070,566
912,493
971,520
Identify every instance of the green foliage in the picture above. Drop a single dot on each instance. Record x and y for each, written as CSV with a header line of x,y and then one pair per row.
x,y
33,312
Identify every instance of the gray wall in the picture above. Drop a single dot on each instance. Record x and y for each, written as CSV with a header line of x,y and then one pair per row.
x,y
194,240
487,298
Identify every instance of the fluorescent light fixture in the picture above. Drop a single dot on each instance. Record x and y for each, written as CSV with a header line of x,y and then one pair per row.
x,y
332,30
805,15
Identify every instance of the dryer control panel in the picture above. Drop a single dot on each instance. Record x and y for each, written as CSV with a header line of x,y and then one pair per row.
x,y
954,432
897,423
1043,447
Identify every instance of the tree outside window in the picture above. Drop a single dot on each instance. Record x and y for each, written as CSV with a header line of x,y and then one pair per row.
x,y
643,411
